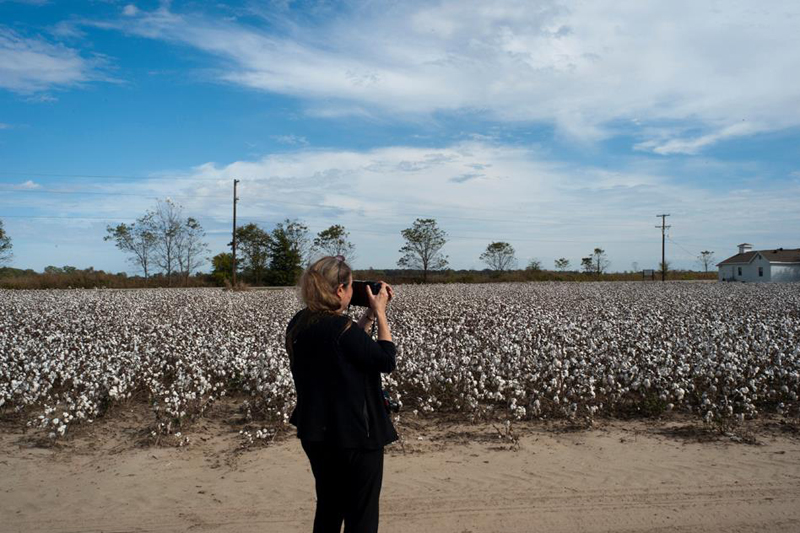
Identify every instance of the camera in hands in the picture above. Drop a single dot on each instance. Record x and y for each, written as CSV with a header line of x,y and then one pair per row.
x,y
360,297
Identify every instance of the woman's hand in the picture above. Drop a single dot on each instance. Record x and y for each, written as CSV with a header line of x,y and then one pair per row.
x,y
378,302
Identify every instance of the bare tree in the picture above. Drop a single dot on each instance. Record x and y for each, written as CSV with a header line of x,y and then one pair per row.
x,y
136,239
5,245
562,264
499,256
190,247
334,241
167,227
422,250
706,259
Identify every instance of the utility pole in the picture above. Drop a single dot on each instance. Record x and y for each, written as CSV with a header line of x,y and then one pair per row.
x,y
663,227
235,199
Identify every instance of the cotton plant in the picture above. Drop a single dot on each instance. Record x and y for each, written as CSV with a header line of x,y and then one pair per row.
x,y
723,352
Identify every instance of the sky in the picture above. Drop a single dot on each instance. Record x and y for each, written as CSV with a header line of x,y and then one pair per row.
x,y
556,126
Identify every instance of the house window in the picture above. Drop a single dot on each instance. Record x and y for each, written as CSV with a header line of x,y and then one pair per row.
x,y
740,270
760,272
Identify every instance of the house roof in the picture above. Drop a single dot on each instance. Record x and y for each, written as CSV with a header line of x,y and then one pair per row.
x,y
781,255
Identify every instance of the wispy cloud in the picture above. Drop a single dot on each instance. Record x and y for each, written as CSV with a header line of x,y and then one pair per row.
x,y
545,208
29,65
583,66
693,145
291,140
28,185
24,186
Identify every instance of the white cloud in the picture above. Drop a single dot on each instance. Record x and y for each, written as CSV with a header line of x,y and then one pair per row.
x,y
5,126
41,98
291,139
546,209
130,10
583,66
479,192
678,145
28,185
24,186
29,65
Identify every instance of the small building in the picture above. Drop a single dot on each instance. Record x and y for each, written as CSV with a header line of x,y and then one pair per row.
x,y
779,265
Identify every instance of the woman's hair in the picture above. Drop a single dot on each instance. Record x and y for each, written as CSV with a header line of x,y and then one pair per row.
x,y
319,283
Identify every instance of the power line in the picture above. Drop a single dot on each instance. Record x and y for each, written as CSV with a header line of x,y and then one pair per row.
x,y
682,248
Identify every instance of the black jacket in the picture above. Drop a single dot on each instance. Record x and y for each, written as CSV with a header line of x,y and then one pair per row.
x,y
337,369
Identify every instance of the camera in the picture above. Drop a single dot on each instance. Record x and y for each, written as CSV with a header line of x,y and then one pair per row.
x,y
392,406
360,292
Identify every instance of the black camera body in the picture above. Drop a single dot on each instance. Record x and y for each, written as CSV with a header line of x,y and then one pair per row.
x,y
360,298
392,406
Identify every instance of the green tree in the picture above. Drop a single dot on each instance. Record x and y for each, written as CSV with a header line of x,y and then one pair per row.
x,y
254,243
137,239
599,261
222,267
587,264
334,241
5,245
499,256
50,269
562,264
422,250
289,241
664,268
534,265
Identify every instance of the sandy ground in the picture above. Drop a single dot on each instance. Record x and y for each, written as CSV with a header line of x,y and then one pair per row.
x,y
446,478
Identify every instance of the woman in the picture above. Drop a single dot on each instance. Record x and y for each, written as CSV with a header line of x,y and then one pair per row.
x,y
340,415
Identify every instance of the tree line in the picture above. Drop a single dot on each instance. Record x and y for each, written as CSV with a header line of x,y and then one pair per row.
x,y
170,246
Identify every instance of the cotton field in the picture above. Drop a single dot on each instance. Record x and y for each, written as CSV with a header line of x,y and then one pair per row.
x,y
724,352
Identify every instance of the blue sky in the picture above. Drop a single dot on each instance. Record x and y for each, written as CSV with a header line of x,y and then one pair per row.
x,y
557,126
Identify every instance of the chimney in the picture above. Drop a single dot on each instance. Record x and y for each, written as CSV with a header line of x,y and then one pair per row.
x,y
745,247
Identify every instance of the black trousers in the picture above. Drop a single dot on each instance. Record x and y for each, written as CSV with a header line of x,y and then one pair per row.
x,y
348,484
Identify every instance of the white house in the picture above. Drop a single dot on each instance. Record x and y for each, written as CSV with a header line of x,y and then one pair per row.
x,y
780,265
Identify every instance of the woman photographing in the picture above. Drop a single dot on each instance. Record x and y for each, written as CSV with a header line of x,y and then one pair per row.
x,y
340,415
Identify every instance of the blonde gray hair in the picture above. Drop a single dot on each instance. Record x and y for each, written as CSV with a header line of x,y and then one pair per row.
x,y
320,281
